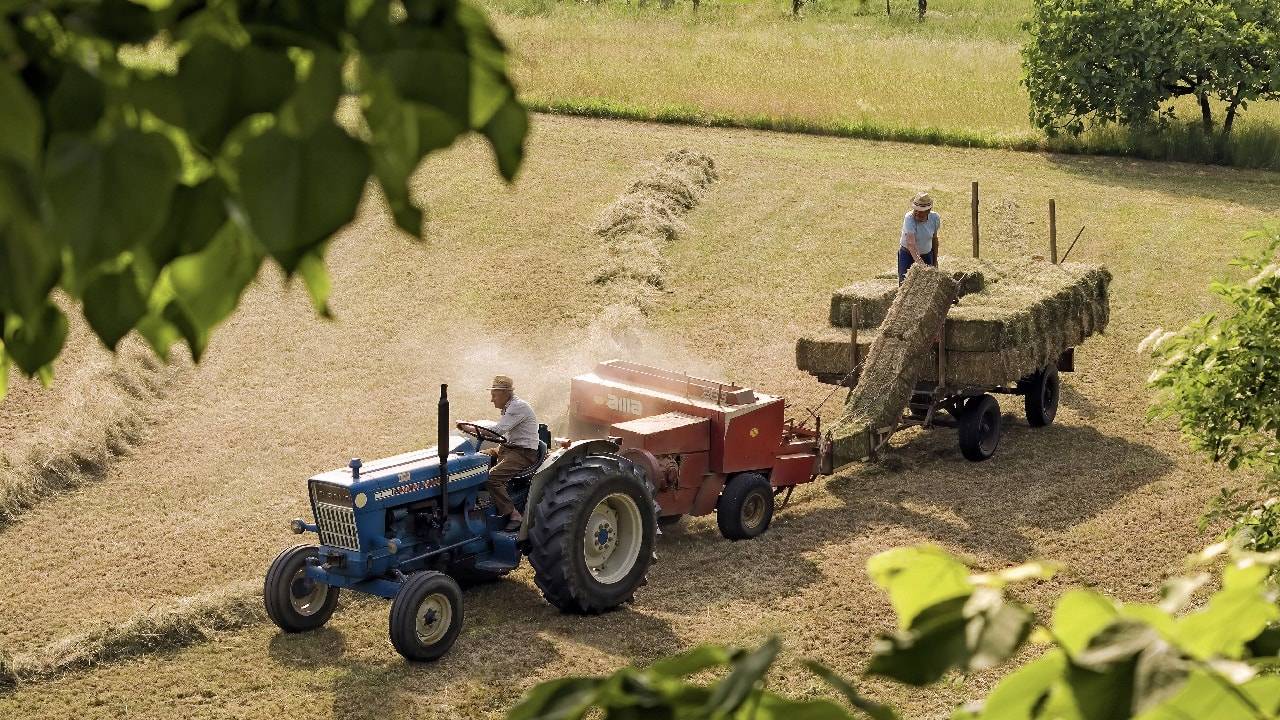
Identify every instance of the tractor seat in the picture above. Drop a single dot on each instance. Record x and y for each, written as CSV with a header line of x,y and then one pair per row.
x,y
528,472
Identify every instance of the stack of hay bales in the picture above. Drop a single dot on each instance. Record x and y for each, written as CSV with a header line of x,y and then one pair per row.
x,y
1013,318
894,360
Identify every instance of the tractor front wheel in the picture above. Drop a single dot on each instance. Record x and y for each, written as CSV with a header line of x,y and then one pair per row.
x,y
426,616
593,532
745,507
294,601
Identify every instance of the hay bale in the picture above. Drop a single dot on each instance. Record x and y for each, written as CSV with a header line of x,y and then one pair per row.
x,y
872,297
896,358
827,351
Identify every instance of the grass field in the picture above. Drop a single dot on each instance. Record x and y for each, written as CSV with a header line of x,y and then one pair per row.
x,y
203,501
953,79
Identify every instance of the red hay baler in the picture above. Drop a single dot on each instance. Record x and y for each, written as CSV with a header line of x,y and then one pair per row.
x,y
705,445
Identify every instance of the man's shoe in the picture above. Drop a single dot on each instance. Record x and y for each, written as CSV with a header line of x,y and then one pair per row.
x,y
513,524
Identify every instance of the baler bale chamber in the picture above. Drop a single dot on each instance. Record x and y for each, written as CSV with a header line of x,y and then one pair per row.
x,y
705,445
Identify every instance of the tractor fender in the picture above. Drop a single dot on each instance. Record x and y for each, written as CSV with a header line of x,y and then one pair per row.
x,y
551,467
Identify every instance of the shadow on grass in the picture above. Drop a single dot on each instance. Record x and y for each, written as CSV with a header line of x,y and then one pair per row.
x,y
1041,479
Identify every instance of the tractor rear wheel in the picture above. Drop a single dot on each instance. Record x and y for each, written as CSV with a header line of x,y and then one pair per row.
x,y
592,535
745,507
426,616
295,602
1040,395
980,428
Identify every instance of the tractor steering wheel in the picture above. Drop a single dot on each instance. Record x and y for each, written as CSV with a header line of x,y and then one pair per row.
x,y
481,433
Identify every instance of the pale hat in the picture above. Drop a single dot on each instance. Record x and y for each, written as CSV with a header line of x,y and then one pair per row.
x,y
502,382
922,201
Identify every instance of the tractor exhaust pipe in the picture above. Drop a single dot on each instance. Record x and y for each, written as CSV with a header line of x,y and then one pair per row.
x,y
442,450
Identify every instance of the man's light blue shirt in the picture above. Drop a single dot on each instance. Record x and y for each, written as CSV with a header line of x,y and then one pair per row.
x,y
924,231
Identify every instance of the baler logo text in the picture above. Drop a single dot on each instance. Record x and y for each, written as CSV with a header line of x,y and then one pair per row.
x,y
625,404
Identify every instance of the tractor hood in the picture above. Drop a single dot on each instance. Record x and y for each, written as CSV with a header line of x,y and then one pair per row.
x,y
412,473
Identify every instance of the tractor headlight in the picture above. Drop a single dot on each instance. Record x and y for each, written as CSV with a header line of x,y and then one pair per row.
x,y
298,526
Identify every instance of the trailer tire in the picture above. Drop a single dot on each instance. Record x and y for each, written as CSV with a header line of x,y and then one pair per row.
x,y
1040,395
980,428
745,507
592,535
426,616
294,602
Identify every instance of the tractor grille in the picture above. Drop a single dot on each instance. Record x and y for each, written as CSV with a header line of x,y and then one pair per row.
x,y
337,526
335,520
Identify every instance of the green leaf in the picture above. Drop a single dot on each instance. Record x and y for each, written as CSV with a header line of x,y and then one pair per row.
x,y
918,577
768,706
922,654
114,302
1020,695
1235,615
4,367
1078,616
77,103
195,214
218,86
108,196
316,277
1204,697
995,630
875,710
207,285
564,699
299,192
506,131
317,96
21,120
748,669
1119,642
692,661
30,262
33,344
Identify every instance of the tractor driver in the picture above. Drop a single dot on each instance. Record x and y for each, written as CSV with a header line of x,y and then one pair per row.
x,y
520,427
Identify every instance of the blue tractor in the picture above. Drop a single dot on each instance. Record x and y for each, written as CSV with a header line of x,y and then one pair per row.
x,y
416,528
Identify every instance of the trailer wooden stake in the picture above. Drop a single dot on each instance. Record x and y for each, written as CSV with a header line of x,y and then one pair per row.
x,y
1053,232
973,209
854,318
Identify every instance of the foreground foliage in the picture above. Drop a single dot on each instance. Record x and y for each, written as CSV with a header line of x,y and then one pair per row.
x,y
153,191
1122,61
1100,658
1220,375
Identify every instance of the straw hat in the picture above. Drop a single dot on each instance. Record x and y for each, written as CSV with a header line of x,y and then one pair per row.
x,y
922,202
502,382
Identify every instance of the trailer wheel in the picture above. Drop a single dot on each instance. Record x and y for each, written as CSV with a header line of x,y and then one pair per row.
x,y
426,616
593,533
1040,395
745,507
980,428
295,602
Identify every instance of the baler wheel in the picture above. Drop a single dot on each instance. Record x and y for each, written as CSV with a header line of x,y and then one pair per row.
x,y
980,428
426,616
592,535
295,602
1040,396
745,507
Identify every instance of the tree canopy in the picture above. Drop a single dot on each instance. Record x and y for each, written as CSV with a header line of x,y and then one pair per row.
x,y
153,190
1122,61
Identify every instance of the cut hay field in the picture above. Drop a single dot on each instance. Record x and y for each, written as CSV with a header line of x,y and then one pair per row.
x,y
954,79
201,503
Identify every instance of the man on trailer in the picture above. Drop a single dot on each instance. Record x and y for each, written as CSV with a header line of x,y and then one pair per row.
x,y
520,426
919,241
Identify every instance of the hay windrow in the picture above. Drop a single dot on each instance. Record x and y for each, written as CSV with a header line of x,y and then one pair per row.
x,y
102,420
635,227
180,624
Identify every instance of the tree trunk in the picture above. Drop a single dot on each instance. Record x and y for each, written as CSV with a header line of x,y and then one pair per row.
x,y
887,9
924,5
695,5
795,7
1230,118
1206,112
